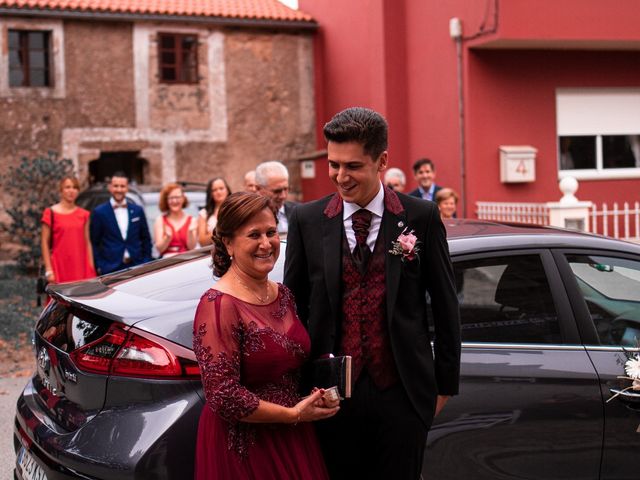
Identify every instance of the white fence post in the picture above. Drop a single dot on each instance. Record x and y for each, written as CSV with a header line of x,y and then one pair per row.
x,y
569,212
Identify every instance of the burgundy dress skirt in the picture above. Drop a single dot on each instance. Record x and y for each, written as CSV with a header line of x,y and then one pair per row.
x,y
249,353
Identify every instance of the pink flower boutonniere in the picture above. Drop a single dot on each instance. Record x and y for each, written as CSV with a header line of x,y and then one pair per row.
x,y
406,245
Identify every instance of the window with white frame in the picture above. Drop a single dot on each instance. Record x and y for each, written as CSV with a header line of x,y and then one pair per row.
x,y
32,58
29,53
598,133
178,57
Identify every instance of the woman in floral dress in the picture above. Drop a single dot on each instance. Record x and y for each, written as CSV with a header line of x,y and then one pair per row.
x,y
250,345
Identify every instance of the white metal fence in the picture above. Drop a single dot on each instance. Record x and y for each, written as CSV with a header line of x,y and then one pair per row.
x,y
533,213
619,221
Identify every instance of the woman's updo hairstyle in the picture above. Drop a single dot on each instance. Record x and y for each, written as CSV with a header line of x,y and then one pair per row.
x,y
234,212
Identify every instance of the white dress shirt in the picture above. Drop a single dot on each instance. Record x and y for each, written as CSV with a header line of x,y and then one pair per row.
x,y
375,206
283,223
122,217
427,194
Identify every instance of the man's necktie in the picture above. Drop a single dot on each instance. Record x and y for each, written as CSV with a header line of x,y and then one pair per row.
x,y
119,205
360,222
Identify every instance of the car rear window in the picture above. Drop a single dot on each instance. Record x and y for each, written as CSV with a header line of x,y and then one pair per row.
x,y
67,328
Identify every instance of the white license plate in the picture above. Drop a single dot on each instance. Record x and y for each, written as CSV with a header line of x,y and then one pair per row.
x,y
29,469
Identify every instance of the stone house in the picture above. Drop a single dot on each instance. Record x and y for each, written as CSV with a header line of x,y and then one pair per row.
x,y
165,90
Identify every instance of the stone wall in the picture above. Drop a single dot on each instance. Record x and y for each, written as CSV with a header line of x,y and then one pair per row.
x,y
254,101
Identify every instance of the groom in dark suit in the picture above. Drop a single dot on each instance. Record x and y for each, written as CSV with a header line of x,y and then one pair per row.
x,y
119,232
359,263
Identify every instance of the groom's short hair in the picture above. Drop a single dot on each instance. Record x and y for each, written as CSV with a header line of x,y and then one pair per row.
x,y
360,125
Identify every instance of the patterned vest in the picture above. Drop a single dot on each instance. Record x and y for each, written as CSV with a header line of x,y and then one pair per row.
x,y
365,334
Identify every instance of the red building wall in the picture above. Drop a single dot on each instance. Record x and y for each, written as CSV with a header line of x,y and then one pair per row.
x,y
359,62
511,101
397,57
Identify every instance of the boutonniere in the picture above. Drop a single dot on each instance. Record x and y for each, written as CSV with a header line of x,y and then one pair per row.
x,y
407,245
632,370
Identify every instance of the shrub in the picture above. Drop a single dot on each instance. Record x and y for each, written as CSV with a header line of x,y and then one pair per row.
x,y
31,186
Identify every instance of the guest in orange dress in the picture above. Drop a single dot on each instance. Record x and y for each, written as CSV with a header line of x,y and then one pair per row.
x,y
66,248
174,231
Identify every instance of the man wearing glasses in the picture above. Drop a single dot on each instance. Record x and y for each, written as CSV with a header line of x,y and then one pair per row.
x,y
273,182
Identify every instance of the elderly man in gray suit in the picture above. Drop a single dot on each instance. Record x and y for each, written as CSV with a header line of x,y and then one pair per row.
x,y
272,179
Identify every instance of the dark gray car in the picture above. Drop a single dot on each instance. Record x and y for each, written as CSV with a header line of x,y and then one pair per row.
x,y
548,319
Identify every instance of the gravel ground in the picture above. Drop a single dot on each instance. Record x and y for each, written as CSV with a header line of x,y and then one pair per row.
x,y
18,313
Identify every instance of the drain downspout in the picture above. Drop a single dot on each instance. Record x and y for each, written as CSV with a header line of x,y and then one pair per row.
x,y
455,31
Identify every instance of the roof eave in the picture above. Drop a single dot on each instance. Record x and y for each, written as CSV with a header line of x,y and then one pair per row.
x,y
131,17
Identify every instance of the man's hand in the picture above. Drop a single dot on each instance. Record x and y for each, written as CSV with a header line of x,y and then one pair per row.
x,y
441,401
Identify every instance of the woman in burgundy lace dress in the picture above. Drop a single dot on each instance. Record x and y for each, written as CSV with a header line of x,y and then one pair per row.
x,y
250,345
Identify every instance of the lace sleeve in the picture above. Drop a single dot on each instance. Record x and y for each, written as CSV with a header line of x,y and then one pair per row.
x,y
217,343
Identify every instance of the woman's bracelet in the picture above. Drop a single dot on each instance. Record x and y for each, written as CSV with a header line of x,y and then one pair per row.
x,y
299,413
48,273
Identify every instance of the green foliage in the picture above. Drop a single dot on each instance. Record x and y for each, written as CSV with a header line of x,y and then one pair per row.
x,y
31,186
17,302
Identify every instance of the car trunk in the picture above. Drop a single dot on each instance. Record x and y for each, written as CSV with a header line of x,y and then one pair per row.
x,y
70,396
87,342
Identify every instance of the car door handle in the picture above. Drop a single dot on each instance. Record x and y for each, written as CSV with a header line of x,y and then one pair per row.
x,y
624,395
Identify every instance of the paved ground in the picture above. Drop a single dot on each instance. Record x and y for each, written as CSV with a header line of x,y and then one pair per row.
x,y
18,312
10,388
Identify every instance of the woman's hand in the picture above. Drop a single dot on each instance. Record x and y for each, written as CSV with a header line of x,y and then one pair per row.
x,y
312,408
324,401
192,234
50,276
161,235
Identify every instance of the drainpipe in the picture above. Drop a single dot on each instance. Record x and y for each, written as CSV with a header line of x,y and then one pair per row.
x,y
455,31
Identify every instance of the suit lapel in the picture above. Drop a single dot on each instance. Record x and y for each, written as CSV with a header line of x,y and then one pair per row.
x,y
393,263
394,221
111,215
130,211
332,227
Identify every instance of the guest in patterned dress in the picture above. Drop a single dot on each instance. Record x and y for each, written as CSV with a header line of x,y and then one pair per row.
x,y
250,345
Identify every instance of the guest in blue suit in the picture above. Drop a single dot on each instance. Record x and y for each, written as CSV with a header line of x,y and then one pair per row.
x,y
424,171
119,232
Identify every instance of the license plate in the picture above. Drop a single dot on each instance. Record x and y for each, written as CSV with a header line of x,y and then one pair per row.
x,y
29,469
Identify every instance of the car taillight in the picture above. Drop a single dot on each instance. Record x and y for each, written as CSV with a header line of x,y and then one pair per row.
x,y
135,353
96,357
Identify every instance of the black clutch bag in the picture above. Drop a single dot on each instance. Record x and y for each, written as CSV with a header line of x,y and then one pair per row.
x,y
41,284
331,372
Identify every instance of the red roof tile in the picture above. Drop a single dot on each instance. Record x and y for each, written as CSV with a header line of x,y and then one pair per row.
x,y
239,9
